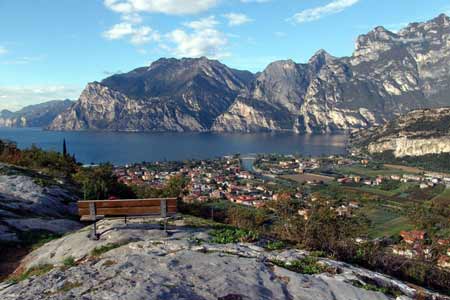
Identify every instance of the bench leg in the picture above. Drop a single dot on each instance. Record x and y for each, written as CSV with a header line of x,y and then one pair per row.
x,y
125,220
94,236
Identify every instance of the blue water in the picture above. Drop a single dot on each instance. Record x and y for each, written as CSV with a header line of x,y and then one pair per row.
x,y
122,148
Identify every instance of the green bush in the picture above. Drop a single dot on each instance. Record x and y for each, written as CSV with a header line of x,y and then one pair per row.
x,y
105,248
306,265
275,245
69,262
233,235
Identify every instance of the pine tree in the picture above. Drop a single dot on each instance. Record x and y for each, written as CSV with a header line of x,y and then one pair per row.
x,y
64,148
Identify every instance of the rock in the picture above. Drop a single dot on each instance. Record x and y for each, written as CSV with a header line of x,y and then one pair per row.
x,y
40,115
145,264
26,205
170,95
388,75
418,133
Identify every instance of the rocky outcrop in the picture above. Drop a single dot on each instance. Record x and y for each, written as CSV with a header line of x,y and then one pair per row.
x,y
32,202
418,133
144,263
388,75
170,95
39,115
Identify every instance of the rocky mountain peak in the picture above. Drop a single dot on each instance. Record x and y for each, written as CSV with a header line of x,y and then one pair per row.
x,y
387,75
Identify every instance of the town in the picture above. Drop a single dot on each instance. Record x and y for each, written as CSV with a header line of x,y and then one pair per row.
x,y
384,193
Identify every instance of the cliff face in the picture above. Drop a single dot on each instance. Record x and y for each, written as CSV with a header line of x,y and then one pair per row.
x,y
417,133
170,95
40,115
388,75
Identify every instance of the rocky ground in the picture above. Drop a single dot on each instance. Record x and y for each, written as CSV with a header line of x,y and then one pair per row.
x,y
32,207
139,261
30,201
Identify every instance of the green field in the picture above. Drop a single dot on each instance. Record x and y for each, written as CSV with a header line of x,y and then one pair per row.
x,y
369,172
444,196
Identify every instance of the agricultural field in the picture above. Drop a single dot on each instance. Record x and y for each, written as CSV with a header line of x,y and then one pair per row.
x,y
308,177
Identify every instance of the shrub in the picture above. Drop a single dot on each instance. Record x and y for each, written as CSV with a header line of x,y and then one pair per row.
x,y
69,262
105,248
306,265
275,245
233,235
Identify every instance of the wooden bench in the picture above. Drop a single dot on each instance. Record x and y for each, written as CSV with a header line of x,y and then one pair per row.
x,y
94,210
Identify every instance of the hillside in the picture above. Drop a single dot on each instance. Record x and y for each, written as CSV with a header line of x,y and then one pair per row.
x,y
39,115
387,75
418,133
139,262
170,95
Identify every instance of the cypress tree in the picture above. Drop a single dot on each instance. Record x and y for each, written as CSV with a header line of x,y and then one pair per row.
x,y
64,148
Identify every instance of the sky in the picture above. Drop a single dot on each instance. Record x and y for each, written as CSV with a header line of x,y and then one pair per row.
x,y
50,49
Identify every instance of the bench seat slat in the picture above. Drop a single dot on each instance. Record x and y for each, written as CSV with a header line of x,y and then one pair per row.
x,y
127,210
123,203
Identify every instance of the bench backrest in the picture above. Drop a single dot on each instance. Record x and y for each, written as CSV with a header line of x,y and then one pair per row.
x,y
91,209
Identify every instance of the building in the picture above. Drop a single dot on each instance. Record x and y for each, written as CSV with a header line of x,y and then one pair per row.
x,y
411,237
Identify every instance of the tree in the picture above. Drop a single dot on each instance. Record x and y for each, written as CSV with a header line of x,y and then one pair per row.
x,y
64,148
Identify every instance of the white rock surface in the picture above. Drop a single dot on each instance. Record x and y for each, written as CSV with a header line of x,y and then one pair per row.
x,y
152,265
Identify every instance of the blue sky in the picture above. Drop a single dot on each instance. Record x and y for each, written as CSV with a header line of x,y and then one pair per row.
x,y
50,49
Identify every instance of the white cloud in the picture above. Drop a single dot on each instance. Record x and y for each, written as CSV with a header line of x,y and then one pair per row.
x,y
15,97
137,35
255,1
205,23
24,60
3,50
316,13
280,34
170,7
236,19
202,39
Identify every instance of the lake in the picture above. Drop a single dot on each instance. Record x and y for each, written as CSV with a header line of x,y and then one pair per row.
x,y
124,147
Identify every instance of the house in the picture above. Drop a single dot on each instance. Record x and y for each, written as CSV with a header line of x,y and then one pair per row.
x,y
343,211
444,262
404,251
354,204
396,177
305,213
413,236
423,185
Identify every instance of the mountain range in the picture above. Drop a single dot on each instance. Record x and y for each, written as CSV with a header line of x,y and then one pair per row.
x,y
39,115
387,75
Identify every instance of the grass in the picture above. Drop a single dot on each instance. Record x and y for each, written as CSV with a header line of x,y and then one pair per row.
x,y
307,265
232,235
34,271
374,288
69,262
275,245
197,222
105,248
369,172
444,196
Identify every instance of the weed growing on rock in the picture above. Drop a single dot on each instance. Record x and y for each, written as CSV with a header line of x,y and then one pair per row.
x,y
275,245
306,265
233,235
34,271
69,262
105,248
